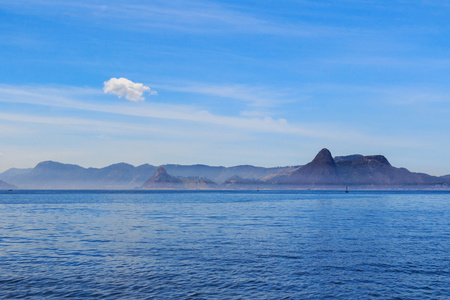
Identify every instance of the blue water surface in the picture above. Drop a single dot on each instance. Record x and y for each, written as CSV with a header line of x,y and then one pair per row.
x,y
224,245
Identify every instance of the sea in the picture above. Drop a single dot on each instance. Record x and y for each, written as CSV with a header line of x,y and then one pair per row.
x,y
224,244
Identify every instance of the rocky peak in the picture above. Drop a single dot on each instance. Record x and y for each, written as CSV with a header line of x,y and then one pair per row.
x,y
161,176
321,170
323,158
160,171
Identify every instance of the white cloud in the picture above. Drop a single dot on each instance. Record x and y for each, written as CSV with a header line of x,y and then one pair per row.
x,y
123,87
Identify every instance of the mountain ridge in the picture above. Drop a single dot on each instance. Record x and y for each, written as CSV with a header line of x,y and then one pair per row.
x,y
322,171
122,175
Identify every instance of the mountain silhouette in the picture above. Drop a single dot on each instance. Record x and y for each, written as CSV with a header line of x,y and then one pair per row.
x,y
359,170
161,179
323,171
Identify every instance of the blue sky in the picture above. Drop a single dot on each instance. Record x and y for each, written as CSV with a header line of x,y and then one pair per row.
x,y
267,83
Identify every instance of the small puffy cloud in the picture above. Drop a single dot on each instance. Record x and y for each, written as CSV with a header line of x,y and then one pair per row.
x,y
123,87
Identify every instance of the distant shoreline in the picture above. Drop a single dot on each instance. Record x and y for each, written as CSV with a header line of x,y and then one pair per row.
x,y
324,189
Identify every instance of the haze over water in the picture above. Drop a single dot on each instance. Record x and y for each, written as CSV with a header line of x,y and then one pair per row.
x,y
224,245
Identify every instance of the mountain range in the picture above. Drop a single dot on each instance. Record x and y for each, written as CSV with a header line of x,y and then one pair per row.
x,y
323,171
55,175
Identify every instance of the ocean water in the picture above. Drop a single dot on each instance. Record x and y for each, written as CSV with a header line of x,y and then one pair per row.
x,y
224,245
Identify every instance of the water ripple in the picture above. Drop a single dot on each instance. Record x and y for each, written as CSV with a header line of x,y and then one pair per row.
x,y
214,245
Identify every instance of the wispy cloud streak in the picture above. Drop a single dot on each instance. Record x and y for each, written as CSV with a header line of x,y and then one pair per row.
x,y
195,17
151,110
255,96
60,99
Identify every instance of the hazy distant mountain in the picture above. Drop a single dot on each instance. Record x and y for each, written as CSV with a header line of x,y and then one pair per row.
x,y
198,183
46,175
220,174
163,180
54,175
241,183
14,172
6,186
120,175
